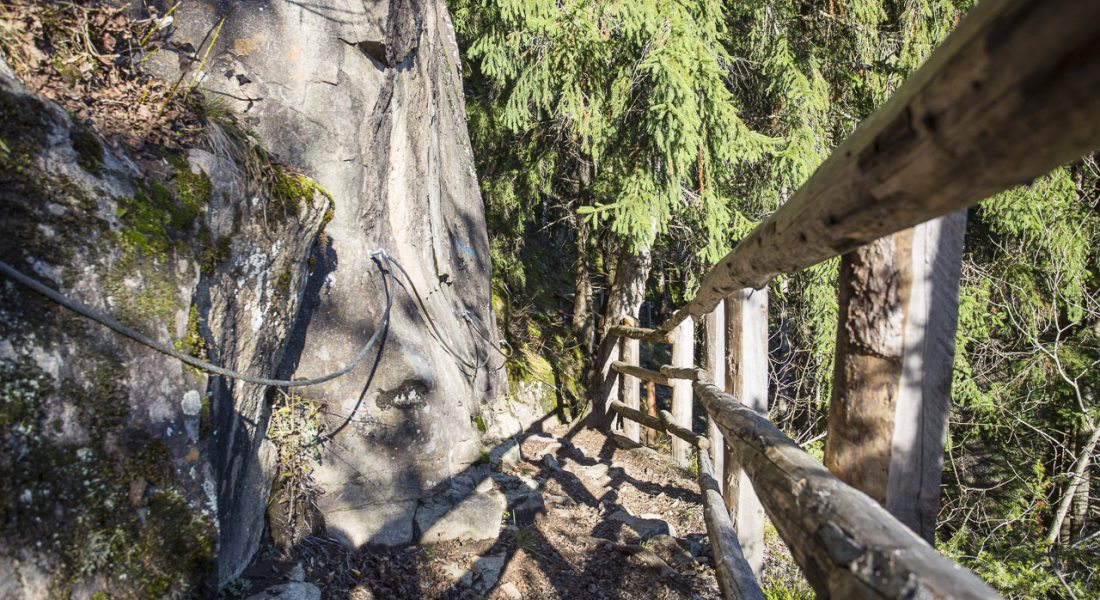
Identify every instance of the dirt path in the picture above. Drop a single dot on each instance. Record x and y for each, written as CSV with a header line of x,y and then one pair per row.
x,y
586,519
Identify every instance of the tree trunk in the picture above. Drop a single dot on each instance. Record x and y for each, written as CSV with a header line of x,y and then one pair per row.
x,y
1080,474
624,300
895,348
1080,511
583,320
747,326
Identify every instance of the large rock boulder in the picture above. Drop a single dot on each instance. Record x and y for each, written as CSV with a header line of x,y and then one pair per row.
x,y
366,98
118,465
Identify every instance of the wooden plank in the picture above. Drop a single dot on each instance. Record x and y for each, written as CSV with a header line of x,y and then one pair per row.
x,y
716,365
747,316
631,386
924,399
735,575
688,373
662,423
639,333
683,355
642,373
1010,95
846,544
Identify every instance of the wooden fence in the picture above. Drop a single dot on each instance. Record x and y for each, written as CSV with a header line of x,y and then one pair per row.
x,y
1013,93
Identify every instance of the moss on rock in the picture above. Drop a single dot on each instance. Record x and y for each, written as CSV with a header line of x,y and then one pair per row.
x,y
289,190
89,152
104,507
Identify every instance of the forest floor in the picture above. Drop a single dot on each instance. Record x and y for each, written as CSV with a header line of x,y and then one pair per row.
x,y
587,519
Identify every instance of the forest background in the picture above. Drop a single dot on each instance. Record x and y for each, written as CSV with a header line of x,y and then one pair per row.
x,y
624,146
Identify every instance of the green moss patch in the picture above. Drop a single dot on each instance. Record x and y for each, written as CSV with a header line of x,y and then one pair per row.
x,y
104,508
152,299
213,252
288,191
89,152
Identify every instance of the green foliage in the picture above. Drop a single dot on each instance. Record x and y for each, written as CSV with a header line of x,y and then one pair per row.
x,y
677,126
781,578
1025,382
1018,570
193,342
634,94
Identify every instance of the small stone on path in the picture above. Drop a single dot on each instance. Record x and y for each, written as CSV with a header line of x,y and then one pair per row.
x,y
510,590
289,591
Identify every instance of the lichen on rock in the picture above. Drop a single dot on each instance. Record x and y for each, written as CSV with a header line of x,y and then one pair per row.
x,y
116,463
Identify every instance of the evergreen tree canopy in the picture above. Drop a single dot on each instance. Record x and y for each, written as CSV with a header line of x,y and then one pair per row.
x,y
631,100
682,124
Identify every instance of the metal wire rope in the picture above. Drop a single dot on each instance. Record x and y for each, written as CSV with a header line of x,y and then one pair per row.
x,y
105,320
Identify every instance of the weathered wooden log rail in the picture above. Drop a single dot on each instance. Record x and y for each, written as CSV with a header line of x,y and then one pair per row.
x,y
1010,95
640,333
663,423
625,368
662,377
847,545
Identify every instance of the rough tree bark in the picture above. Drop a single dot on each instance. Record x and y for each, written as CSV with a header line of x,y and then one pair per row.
x,y
583,320
1080,475
624,300
895,348
1079,513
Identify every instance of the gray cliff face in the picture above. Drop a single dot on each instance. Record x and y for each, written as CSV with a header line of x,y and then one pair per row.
x,y
366,98
251,302
121,468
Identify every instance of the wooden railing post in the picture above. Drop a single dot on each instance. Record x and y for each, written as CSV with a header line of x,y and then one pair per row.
x,y
630,387
715,364
651,410
683,355
605,385
747,320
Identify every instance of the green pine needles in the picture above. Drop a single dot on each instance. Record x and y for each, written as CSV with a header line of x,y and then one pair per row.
x,y
631,100
673,127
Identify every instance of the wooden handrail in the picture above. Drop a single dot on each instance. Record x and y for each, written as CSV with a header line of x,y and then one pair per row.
x,y
639,372
639,333
846,544
661,423
689,373
734,573
662,377
1010,95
